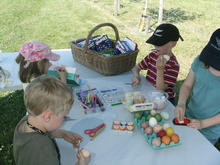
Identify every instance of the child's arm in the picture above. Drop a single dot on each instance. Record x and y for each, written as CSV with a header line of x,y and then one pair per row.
x,y
184,93
62,73
160,84
68,136
136,75
200,124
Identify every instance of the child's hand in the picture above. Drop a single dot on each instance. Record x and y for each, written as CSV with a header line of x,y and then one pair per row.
x,y
83,159
180,112
135,81
62,73
160,64
72,138
194,123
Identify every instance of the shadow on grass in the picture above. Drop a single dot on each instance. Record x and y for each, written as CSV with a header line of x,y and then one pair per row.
x,y
12,110
173,15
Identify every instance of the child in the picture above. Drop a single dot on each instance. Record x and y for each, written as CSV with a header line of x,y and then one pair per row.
x,y
34,61
203,83
47,101
162,65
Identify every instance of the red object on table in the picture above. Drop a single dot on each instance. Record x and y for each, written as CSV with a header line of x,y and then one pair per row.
x,y
94,131
184,122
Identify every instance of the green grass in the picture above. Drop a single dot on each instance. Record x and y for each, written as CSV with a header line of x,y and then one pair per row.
x,y
57,22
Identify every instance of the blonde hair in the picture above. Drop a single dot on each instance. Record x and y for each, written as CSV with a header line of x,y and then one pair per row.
x,y
47,93
33,70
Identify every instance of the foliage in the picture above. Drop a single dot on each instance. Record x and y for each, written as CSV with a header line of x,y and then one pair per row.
x,y
12,110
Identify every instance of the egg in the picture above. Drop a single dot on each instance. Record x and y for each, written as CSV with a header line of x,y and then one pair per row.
x,y
144,125
152,122
175,138
165,115
148,130
157,128
153,112
165,126
166,140
156,142
166,57
85,153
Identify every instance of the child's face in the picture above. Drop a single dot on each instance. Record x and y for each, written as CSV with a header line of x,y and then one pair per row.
x,y
165,49
56,121
48,65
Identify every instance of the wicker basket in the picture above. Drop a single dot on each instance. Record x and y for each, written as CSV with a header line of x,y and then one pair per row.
x,y
105,65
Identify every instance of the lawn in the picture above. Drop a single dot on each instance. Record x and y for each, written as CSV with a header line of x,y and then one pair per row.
x,y
57,22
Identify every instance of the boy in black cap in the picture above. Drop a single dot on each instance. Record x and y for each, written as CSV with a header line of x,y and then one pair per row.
x,y
162,65
203,81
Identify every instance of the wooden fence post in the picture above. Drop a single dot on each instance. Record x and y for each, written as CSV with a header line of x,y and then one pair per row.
x,y
117,7
160,13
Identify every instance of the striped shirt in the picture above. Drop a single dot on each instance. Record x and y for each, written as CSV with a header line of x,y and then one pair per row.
x,y
171,71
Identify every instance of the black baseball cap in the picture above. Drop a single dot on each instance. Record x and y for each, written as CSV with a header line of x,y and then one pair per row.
x,y
163,34
210,55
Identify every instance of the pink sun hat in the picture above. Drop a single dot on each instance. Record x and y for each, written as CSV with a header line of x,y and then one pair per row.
x,y
35,51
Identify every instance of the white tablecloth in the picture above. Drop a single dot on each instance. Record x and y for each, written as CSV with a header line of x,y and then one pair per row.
x,y
111,149
108,148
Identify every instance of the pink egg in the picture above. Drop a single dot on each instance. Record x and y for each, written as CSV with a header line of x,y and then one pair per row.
x,y
148,130
156,142
157,128
144,125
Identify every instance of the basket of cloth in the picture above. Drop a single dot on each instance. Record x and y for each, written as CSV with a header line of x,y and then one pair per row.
x,y
104,55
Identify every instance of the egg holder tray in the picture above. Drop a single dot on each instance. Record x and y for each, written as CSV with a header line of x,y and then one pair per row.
x,y
149,138
123,128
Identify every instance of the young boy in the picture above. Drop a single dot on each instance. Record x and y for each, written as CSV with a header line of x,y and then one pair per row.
x,y
161,63
47,100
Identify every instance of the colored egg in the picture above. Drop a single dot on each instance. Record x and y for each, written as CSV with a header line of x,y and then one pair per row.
x,y
165,126
175,138
85,153
144,125
153,112
116,127
152,122
148,130
130,123
169,131
157,128
166,140
156,142
165,115
116,122
130,128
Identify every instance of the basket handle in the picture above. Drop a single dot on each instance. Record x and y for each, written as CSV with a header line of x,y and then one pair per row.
x,y
98,27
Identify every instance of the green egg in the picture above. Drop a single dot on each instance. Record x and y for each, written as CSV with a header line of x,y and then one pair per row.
x,y
158,117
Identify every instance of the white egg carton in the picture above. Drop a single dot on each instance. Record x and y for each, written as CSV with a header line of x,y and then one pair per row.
x,y
139,107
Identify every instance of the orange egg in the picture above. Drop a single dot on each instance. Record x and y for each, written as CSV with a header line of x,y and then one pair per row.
x,y
166,140
175,138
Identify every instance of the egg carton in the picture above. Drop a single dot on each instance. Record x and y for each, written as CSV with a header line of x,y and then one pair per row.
x,y
123,127
149,139
139,107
